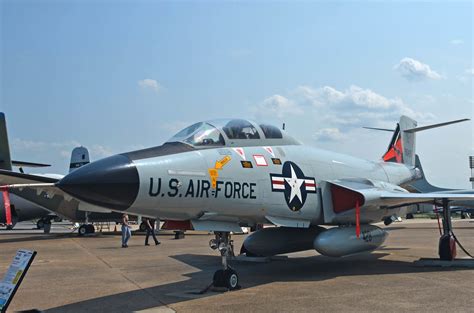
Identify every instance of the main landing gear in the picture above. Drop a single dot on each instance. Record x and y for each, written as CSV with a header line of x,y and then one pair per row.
x,y
226,277
447,241
86,229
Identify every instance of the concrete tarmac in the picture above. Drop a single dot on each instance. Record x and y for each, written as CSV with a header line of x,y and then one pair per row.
x,y
94,274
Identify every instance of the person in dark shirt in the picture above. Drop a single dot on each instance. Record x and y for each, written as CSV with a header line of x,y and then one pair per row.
x,y
150,230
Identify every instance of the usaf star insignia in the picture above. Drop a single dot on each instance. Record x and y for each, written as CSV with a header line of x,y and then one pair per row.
x,y
293,184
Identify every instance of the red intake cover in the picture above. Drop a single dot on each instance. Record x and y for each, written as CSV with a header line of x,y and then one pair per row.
x,y
344,199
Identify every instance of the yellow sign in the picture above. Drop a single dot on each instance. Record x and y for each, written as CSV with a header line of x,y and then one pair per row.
x,y
17,277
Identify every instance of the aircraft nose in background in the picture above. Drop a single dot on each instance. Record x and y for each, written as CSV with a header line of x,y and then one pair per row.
x,y
112,182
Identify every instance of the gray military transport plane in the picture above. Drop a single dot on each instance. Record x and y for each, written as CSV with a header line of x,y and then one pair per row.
x,y
224,174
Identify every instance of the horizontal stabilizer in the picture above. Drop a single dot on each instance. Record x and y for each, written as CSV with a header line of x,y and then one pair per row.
x,y
419,129
382,129
28,164
9,177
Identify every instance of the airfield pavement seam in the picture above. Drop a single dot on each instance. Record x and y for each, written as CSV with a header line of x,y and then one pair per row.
x,y
82,247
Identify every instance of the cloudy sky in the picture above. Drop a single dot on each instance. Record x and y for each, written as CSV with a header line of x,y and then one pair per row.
x,y
123,75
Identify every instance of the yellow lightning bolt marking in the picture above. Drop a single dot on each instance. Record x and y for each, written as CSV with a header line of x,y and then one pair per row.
x,y
214,172
221,163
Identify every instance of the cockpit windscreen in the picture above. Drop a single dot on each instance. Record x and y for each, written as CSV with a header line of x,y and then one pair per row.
x,y
240,129
199,134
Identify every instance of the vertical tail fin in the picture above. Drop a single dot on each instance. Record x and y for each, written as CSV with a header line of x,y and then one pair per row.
x,y
5,159
403,143
79,157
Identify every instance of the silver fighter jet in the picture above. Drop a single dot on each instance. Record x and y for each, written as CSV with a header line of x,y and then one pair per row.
x,y
224,174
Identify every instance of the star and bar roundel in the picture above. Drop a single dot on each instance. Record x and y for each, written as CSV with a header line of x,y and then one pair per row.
x,y
293,184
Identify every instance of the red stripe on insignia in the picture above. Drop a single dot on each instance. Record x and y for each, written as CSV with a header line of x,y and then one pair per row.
x,y
276,182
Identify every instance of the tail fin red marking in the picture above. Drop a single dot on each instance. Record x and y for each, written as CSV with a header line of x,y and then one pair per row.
x,y
395,149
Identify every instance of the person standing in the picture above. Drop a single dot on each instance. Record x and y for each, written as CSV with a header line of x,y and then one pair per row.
x,y
150,230
126,230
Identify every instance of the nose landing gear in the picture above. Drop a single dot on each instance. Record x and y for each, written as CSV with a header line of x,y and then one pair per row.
x,y
226,277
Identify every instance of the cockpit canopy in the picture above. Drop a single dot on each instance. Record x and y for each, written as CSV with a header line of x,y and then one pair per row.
x,y
232,133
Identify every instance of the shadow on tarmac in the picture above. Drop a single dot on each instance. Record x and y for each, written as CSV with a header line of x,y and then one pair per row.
x,y
34,237
316,268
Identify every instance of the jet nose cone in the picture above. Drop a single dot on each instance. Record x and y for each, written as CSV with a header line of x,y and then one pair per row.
x,y
111,182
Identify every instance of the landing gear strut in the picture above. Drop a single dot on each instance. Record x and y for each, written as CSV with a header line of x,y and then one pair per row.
x,y
447,243
226,277
86,228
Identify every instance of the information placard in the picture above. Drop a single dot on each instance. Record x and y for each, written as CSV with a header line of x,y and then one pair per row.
x,y
14,275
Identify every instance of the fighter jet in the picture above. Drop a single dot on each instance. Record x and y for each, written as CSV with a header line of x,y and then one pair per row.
x,y
224,174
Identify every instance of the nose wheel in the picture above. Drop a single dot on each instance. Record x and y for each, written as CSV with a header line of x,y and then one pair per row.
x,y
226,277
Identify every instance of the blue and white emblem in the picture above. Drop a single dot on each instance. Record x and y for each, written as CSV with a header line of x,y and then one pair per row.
x,y
294,184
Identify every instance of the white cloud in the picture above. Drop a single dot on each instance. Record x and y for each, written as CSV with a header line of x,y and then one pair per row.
x,y
151,84
470,71
413,69
33,146
330,114
61,149
100,151
355,105
457,42
329,134
278,106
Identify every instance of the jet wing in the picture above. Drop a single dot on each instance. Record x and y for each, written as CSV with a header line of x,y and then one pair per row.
x,y
28,164
9,177
375,199
43,191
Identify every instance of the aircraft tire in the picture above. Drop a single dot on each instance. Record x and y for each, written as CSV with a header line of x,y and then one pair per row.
x,y
90,229
142,226
82,230
218,279
447,248
40,224
409,216
231,279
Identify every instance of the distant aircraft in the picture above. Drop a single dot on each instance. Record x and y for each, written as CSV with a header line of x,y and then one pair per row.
x,y
21,209
224,174
464,208
27,205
